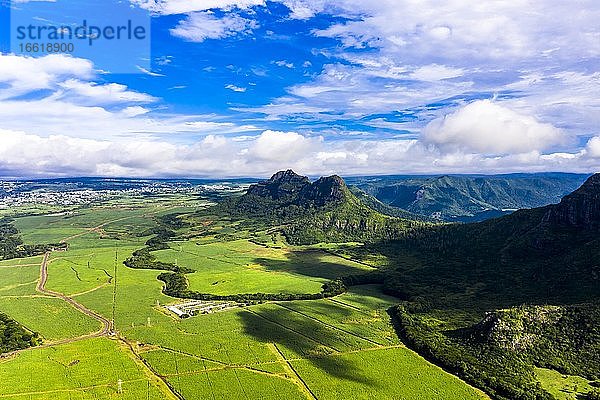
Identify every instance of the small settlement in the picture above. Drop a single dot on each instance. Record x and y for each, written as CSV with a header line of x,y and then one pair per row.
x,y
196,307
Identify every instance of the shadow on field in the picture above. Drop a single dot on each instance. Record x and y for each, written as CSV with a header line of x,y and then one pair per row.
x,y
309,263
307,339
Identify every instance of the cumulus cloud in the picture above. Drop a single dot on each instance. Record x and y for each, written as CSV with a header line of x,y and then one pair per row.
x,y
487,127
593,147
28,155
25,74
282,146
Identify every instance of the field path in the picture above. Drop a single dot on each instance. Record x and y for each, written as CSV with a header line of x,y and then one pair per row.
x,y
292,372
95,228
41,288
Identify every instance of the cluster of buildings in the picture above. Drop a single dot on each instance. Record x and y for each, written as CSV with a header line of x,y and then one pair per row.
x,y
196,307
76,193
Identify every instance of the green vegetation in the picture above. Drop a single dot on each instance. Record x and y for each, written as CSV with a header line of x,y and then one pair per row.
x,y
322,211
52,319
565,387
468,198
316,319
264,350
12,246
88,369
13,336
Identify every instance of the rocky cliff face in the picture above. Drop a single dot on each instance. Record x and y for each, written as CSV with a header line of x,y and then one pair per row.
x,y
283,186
580,209
324,191
289,187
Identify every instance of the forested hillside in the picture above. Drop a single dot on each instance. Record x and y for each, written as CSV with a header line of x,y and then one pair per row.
x,y
12,246
451,276
13,336
469,198
322,211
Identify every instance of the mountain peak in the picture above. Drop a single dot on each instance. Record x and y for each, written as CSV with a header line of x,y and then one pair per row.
x,y
329,189
291,188
579,209
288,176
282,186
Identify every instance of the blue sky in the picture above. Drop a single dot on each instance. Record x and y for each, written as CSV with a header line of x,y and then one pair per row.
x,y
247,87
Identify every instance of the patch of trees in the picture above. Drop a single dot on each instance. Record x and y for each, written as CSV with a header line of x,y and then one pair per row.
x,y
593,395
143,259
12,246
176,285
14,337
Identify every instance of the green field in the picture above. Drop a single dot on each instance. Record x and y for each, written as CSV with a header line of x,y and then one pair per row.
x,y
241,266
334,348
88,369
563,387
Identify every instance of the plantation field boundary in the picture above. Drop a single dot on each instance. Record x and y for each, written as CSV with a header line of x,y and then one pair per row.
x,y
74,390
337,328
159,380
290,369
41,287
293,330
18,265
93,229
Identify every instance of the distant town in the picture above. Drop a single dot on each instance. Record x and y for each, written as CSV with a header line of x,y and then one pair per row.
x,y
74,192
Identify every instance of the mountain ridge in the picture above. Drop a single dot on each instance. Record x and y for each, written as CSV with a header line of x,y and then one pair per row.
x,y
466,198
310,212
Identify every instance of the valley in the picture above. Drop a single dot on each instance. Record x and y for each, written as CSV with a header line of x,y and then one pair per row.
x,y
316,319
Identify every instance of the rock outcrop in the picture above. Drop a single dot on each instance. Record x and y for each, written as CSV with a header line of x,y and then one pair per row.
x,y
580,209
289,187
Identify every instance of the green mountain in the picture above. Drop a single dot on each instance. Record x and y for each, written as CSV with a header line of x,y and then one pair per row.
x,y
544,254
310,212
451,276
469,198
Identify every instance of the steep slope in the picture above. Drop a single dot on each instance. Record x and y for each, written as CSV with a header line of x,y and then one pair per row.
x,y
470,198
309,212
580,209
547,254
451,277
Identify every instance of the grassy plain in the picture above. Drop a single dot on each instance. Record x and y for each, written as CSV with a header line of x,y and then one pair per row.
x,y
343,347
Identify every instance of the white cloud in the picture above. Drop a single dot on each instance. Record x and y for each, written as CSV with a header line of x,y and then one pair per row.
x,y
71,103
186,6
25,74
486,127
284,63
593,147
435,72
235,88
24,154
91,92
200,26
282,146
148,72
